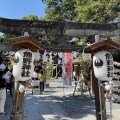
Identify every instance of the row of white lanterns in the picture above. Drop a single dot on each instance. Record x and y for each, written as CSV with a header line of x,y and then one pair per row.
x,y
23,64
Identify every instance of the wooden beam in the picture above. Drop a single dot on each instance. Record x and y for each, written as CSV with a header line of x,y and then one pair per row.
x,y
55,48
64,48
14,26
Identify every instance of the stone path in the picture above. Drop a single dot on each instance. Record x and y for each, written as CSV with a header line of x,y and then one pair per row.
x,y
57,103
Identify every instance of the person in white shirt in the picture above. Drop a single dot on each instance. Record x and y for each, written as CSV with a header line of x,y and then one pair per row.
x,y
9,81
35,79
108,87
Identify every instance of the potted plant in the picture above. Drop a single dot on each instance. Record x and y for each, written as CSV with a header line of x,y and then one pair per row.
x,y
47,71
85,66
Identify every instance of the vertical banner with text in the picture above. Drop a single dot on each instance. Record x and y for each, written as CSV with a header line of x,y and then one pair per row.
x,y
67,68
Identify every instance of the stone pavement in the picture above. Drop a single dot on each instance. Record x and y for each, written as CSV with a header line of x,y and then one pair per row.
x,y
57,103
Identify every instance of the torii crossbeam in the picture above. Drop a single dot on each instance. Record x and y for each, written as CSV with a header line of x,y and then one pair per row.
x,y
14,26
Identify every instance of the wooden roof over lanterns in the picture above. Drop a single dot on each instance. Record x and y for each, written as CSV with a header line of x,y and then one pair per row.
x,y
105,44
26,42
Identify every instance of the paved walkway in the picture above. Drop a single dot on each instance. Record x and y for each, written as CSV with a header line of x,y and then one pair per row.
x,y
57,103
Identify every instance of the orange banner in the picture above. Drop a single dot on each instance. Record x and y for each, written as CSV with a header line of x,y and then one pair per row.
x,y
67,68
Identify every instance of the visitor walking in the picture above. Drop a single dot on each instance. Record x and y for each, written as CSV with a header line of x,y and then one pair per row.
x,y
107,89
9,81
3,70
42,80
35,79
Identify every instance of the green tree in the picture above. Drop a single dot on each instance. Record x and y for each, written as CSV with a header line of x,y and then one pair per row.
x,y
30,17
100,11
5,37
85,66
60,10
97,11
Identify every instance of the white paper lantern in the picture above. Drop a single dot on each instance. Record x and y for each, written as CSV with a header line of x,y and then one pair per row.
x,y
37,55
11,53
44,58
50,59
5,53
103,65
60,54
45,53
74,54
50,53
55,54
23,66
65,60
59,61
83,55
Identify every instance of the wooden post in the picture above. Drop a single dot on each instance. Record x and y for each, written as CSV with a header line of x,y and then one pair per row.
x,y
91,82
16,112
52,70
97,100
110,104
81,87
56,72
102,101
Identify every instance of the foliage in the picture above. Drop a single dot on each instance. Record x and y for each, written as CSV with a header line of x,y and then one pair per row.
x,y
10,63
46,39
102,11
30,17
60,10
47,70
5,37
116,38
82,10
85,66
97,11
82,41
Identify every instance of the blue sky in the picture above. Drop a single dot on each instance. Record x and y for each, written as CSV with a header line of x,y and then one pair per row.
x,y
16,9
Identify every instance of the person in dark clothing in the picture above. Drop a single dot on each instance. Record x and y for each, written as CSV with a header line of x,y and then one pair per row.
x,y
3,70
42,81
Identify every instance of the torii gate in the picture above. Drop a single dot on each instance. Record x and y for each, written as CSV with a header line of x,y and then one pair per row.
x,y
60,29
49,28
